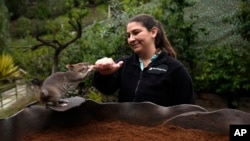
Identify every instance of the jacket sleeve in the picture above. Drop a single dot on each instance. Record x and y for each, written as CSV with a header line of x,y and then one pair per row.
x,y
183,87
107,84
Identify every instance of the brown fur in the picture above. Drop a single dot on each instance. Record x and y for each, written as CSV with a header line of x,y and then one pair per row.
x,y
59,83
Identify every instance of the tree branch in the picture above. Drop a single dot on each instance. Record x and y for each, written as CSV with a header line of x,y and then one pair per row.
x,y
78,29
50,43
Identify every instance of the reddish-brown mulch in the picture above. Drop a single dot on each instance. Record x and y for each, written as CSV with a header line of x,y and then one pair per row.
x,y
122,131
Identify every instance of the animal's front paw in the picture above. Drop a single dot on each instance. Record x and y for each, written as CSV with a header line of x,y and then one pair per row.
x,y
91,67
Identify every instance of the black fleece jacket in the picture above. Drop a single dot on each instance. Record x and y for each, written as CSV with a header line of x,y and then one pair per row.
x,y
165,82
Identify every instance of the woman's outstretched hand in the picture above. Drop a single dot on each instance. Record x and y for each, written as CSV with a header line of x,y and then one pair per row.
x,y
107,66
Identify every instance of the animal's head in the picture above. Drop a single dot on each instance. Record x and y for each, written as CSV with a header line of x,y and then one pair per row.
x,y
80,67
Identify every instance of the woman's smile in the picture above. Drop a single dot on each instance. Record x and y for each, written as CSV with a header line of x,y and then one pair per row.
x,y
135,44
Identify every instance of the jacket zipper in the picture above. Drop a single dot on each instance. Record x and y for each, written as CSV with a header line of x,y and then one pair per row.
x,y
138,83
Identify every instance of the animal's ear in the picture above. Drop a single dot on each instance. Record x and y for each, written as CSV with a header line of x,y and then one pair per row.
x,y
70,67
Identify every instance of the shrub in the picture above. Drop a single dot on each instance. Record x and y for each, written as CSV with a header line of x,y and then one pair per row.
x,y
21,28
242,20
225,70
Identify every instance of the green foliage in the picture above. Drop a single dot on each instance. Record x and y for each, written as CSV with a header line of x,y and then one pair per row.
x,y
8,69
40,64
57,29
94,95
40,11
22,28
225,69
95,14
242,19
223,63
131,4
76,9
16,8
4,27
105,38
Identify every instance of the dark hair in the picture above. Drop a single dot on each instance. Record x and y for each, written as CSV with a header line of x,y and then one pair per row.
x,y
161,40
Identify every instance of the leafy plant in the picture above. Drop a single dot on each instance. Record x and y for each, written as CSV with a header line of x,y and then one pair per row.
x,y
94,95
8,69
36,67
22,28
224,70
242,20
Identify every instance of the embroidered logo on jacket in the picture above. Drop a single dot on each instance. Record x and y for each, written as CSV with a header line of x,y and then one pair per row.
x,y
158,70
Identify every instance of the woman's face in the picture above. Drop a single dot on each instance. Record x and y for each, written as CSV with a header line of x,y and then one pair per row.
x,y
139,38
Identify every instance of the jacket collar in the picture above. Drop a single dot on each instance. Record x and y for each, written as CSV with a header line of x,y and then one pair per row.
x,y
162,57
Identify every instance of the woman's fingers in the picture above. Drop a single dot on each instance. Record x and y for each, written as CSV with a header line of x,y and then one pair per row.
x,y
118,65
107,65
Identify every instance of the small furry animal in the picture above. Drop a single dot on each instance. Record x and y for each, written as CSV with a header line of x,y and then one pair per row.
x,y
58,84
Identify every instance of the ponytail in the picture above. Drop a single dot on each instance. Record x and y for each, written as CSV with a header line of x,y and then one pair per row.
x,y
162,42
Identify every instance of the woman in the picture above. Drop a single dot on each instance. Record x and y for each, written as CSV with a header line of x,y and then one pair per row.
x,y
151,74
